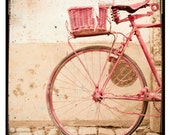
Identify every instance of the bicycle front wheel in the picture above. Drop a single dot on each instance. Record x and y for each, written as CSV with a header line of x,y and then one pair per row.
x,y
70,92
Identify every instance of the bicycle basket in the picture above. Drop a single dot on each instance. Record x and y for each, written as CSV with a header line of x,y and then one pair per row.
x,y
123,75
82,21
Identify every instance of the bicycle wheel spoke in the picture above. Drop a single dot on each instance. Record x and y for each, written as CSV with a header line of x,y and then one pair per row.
x,y
75,96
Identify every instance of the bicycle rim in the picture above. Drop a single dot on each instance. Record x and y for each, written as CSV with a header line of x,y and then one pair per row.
x,y
70,89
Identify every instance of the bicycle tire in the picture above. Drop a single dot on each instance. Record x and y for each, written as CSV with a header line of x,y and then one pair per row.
x,y
69,93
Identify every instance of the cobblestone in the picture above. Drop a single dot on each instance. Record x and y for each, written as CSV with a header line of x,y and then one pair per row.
x,y
119,131
152,134
52,130
22,133
39,132
105,131
87,131
23,129
12,130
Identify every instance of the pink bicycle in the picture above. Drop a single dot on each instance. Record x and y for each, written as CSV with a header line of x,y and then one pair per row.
x,y
100,85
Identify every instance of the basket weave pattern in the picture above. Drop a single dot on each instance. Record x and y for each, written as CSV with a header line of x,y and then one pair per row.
x,y
83,23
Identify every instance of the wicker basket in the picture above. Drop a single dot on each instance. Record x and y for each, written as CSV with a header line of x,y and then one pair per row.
x,y
82,21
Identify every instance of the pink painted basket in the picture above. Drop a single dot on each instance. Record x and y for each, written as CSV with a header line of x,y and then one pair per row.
x,y
82,21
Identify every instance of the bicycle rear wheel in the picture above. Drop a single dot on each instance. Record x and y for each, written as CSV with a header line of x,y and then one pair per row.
x,y
70,91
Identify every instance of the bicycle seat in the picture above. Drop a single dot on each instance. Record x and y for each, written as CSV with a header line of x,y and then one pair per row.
x,y
131,8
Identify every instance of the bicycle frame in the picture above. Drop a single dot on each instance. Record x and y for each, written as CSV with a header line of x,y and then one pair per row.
x,y
98,84
143,95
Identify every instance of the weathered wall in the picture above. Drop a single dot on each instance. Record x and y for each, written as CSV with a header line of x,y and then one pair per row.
x,y
38,41
30,67
42,21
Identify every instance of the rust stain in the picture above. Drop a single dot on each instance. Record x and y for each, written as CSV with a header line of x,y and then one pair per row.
x,y
65,96
37,66
21,79
56,90
18,91
32,71
32,85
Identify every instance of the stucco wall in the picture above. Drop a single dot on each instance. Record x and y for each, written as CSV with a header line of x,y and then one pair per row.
x,y
30,67
38,41
43,21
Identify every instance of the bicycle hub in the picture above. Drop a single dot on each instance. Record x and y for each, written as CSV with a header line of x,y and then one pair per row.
x,y
97,96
